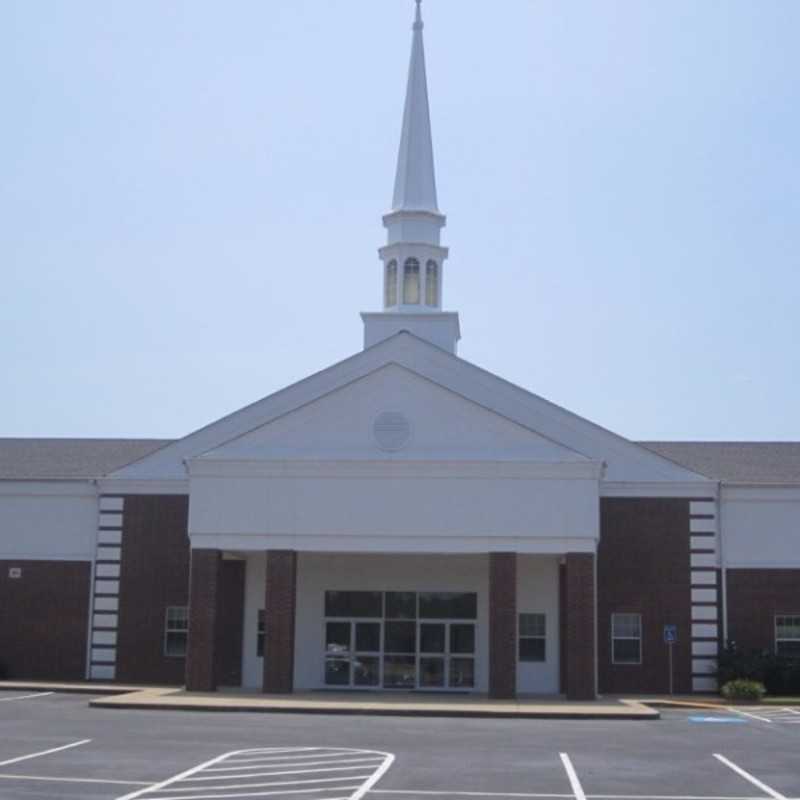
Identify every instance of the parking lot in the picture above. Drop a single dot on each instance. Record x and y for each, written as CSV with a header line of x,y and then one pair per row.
x,y
54,746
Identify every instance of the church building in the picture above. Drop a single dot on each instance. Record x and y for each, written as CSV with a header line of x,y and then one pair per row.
x,y
402,520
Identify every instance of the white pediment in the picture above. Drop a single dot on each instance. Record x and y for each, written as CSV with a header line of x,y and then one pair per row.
x,y
393,413
453,407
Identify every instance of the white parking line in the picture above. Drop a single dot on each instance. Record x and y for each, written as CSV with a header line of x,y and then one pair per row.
x,y
44,752
544,796
748,777
24,697
9,776
574,782
748,714
211,780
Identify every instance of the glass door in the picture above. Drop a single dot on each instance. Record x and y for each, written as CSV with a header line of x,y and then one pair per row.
x,y
446,655
352,653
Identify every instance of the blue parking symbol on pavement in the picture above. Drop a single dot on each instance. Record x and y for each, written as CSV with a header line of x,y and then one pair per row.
x,y
722,720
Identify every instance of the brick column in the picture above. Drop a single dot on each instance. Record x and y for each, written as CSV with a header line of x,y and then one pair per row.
x,y
203,597
580,627
279,619
502,625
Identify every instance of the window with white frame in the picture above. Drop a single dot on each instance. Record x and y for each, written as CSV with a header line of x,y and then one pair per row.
x,y
432,284
787,635
390,285
626,638
176,631
411,282
532,637
260,632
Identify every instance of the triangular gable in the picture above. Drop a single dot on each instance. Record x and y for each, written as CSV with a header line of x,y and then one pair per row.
x,y
435,424
625,460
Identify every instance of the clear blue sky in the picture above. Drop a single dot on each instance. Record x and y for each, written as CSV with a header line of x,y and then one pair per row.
x,y
191,198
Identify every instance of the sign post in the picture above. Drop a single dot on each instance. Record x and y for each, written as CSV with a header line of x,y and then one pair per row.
x,y
670,638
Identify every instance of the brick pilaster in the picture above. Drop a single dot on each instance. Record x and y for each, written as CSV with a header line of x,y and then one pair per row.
x,y
204,578
503,625
279,617
580,627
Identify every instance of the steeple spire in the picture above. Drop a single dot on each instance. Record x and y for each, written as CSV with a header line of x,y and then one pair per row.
x,y
413,258
415,182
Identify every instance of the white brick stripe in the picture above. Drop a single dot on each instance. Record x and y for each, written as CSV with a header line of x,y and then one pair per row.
x,y
104,638
702,507
704,578
704,595
704,543
104,621
109,537
706,666
110,520
107,571
106,587
109,553
103,673
704,631
702,525
106,604
705,648
704,613
704,560
111,503
104,656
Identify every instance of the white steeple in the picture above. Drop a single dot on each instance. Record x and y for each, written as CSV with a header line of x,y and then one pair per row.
x,y
413,258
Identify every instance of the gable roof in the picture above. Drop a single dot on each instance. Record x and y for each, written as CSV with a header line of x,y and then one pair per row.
x,y
745,462
625,460
40,459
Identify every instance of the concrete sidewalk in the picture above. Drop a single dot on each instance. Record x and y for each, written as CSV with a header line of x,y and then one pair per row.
x,y
380,704
324,702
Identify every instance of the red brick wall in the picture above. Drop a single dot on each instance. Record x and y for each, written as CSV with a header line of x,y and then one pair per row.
x,y
643,567
755,596
204,580
280,604
44,618
154,574
230,624
502,625
580,626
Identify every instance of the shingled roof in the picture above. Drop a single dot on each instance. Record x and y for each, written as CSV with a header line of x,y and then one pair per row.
x,y
736,462
38,459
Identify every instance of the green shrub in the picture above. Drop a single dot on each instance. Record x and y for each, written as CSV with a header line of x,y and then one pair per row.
x,y
743,689
779,674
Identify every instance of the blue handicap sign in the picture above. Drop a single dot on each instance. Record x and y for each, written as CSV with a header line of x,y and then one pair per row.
x,y
670,634
723,720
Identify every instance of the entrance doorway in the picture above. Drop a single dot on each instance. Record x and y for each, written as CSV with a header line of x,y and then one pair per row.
x,y
400,640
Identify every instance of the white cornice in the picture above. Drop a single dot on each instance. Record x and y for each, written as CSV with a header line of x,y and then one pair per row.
x,y
123,486
522,470
689,489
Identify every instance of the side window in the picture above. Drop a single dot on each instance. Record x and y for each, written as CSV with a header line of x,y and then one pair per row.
x,y
176,630
532,637
260,634
390,285
787,635
411,282
626,638
431,284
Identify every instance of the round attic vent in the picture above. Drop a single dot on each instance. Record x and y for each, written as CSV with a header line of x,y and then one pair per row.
x,y
391,430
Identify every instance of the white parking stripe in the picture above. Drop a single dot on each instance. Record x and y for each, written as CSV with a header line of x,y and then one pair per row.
x,y
24,697
749,714
748,777
44,752
316,769
280,783
259,794
577,789
544,796
289,764
72,780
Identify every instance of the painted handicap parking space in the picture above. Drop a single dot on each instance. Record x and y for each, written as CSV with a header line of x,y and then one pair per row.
x,y
319,773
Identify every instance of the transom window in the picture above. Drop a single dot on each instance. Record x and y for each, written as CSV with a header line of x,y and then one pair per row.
x,y
400,640
787,635
532,637
411,282
626,638
432,284
176,631
390,285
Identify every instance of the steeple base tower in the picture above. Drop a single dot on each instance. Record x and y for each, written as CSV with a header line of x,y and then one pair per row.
x,y
441,328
